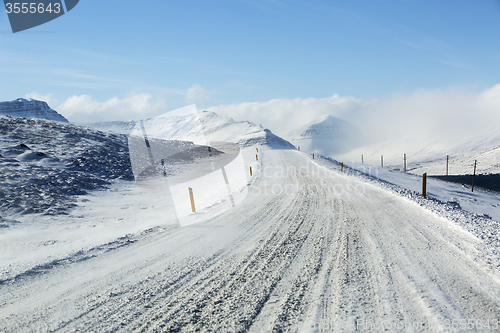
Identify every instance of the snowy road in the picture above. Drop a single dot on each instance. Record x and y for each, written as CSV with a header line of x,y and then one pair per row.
x,y
308,250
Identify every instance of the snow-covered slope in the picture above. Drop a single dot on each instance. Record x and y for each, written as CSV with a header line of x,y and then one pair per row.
x,y
244,133
45,165
393,152
31,108
488,162
325,135
214,128
122,127
431,154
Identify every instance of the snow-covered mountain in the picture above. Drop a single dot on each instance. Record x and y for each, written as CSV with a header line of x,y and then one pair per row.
x,y
244,133
326,135
214,128
31,108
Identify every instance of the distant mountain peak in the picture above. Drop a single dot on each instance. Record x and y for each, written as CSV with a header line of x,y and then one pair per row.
x,y
327,119
323,118
326,135
30,108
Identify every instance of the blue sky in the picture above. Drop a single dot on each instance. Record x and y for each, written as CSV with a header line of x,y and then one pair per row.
x,y
230,52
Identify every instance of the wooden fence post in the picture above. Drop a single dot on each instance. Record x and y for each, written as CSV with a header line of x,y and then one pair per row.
x,y
474,176
447,158
191,197
424,185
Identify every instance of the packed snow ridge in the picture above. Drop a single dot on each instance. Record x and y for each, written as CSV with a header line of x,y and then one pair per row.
x,y
30,108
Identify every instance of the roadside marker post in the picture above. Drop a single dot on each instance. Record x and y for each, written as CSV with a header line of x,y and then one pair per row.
x,y
342,167
257,149
298,148
424,185
382,161
191,197
404,167
361,159
256,157
313,156
447,160
474,175
250,171
163,167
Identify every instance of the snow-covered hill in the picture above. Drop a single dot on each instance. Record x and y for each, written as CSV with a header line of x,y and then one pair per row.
x,y
44,164
325,135
214,128
31,108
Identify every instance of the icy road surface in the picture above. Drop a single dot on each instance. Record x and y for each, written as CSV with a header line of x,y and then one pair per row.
x,y
308,250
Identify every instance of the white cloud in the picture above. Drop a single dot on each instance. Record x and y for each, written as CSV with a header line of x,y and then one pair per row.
x,y
489,99
281,115
432,115
85,108
46,98
426,115
196,94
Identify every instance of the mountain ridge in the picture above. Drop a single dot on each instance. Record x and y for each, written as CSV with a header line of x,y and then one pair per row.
x,y
30,108
213,127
